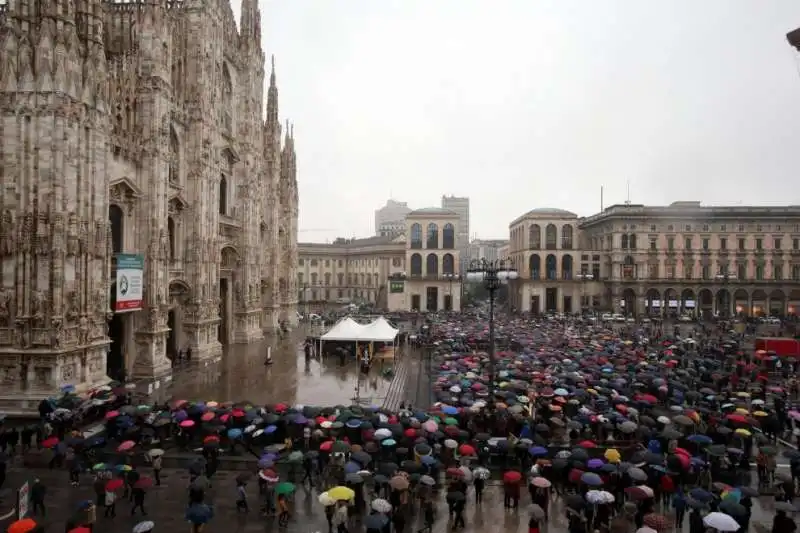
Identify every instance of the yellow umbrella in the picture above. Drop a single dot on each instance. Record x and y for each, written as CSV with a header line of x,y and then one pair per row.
x,y
612,456
341,493
743,394
743,432
742,411
760,413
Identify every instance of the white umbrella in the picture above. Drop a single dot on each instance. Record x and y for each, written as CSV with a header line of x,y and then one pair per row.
x,y
326,500
156,452
381,505
383,433
720,522
481,473
144,527
451,444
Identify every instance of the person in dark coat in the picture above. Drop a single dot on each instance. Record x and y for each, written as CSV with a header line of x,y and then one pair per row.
x,y
38,492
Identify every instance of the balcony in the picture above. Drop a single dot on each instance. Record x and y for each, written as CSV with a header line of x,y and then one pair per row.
x,y
652,252
795,253
671,252
453,278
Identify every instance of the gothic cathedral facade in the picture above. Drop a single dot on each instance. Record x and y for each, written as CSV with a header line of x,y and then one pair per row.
x,y
137,128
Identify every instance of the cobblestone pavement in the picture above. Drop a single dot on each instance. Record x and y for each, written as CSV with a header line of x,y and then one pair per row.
x,y
166,505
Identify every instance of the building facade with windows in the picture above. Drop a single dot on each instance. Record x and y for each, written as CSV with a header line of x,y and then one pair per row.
x,y
432,281
390,220
487,249
349,271
555,273
686,258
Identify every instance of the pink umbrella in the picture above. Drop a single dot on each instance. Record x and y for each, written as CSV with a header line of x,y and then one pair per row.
x,y
187,423
125,446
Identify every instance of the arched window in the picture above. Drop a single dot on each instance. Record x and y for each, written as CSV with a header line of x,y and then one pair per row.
x,y
632,241
535,266
171,235
416,236
551,265
174,157
416,265
551,237
432,238
448,237
566,237
432,265
535,237
448,264
741,272
117,220
628,267
223,195
566,267
327,278
777,272
624,241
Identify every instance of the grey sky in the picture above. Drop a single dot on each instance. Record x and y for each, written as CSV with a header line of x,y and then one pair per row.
x,y
523,104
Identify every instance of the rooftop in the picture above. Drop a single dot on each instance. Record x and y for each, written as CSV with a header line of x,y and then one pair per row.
x,y
432,211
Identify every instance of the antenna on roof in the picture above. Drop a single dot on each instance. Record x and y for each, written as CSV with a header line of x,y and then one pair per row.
x,y
628,200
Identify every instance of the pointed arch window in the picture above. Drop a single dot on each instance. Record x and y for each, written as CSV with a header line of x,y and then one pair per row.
x,y
171,235
116,218
223,195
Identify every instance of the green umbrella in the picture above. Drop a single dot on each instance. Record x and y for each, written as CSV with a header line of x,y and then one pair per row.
x,y
340,446
100,466
284,488
450,421
295,457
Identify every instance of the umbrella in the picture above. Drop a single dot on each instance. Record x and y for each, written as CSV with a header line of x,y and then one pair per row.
x,y
785,506
113,484
341,493
376,521
512,476
540,482
155,452
326,500
399,483
25,525
381,505
591,479
125,446
481,473
285,488
199,513
720,522
144,527
655,521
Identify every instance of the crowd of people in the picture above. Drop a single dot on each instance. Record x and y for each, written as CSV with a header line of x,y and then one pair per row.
x,y
632,428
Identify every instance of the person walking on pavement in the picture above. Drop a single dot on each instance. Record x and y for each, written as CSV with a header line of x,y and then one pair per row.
x,y
38,492
138,500
241,496
157,470
111,504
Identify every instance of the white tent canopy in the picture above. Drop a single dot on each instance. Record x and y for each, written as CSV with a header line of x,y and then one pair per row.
x,y
346,329
379,330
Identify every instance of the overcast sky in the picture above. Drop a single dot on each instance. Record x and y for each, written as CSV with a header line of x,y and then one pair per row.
x,y
530,103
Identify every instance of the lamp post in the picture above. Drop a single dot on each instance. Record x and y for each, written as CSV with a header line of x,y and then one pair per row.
x,y
493,274
451,278
725,278
584,278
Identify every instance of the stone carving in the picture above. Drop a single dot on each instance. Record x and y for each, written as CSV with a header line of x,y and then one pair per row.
x,y
7,234
68,372
5,308
83,329
9,375
73,306
38,308
56,333
99,303
73,244
21,333
27,232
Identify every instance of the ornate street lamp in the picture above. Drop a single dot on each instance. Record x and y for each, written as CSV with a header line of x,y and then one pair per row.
x,y
584,278
451,278
724,279
493,274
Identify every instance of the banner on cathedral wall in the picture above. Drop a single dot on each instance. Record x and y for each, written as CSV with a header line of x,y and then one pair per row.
x,y
130,282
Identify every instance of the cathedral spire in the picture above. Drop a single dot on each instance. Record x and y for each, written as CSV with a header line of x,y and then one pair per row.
x,y
251,22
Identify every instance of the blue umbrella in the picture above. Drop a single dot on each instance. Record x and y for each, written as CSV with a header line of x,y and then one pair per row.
x,y
448,410
428,460
353,423
270,429
701,495
234,433
300,419
351,467
699,439
537,451
591,479
199,513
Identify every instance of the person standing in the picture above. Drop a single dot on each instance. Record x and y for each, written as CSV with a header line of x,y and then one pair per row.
x,y
137,494
38,492
111,504
284,513
157,470
241,497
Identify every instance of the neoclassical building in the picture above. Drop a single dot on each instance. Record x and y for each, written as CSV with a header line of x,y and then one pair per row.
x,y
136,128
349,270
681,258
432,281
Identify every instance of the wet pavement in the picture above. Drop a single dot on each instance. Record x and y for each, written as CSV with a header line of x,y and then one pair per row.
x,y
166,505
242,375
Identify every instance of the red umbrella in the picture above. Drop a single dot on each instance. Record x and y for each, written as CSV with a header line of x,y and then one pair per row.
x,y
512,476
112,414
737,419
143,483
587,444
125,446
281,407
113,484
210,439
177,404
237,413
326,446
575,475
208,417
656,521
466,449
455,472
50,442
410,432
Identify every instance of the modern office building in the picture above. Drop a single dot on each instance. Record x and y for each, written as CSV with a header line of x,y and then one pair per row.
x,y
390,220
